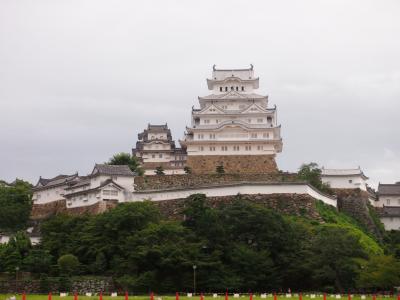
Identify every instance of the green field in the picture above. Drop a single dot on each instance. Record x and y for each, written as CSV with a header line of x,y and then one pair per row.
x,y
206,297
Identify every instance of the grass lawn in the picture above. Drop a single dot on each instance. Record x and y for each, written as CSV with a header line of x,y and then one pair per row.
x,y
207,297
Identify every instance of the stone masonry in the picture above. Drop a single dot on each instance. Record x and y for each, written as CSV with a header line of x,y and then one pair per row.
x,y
197,180
201,164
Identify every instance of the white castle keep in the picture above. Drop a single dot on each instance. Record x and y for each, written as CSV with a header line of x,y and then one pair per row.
x,y
233,123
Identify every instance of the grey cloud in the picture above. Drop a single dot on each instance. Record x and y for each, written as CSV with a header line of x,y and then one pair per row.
x,y
80,79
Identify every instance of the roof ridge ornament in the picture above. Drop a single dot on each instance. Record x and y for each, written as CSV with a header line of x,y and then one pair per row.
x,y
214,67
251,67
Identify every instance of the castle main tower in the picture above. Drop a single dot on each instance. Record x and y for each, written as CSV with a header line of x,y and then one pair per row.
x,y
233,127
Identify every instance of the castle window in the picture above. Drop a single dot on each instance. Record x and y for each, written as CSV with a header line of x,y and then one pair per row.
x,y
242,88
206,121
212,148
265,135
236,148
200,136
388,201
247,148
160,155
248,120
260,120
259,147
212,136
269,119
201,148
254,135
224,148
220,88
216,121
232,88
350,181
237,88
226,89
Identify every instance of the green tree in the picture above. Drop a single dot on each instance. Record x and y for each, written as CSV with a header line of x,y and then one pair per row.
x,y
16,204
380,272
160,170
68,264
128,160
13,253
220,169
336,258
312,174
187,170
37,261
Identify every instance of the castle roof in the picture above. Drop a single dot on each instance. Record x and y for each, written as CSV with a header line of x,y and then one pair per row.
x,y
233,95
343,172
104,169
55,181
220,75
390,211
389,189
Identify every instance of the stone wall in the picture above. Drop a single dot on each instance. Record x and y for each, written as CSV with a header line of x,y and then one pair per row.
x,y
289,204
354,202
44,211
79,285
207,164
200,180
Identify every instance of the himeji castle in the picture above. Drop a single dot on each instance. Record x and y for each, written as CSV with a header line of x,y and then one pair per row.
x,y
234,127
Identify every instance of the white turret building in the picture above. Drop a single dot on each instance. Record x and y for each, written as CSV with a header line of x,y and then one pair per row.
x,y
233,127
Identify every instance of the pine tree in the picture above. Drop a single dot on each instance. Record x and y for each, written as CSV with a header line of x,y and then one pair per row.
x,y
160,170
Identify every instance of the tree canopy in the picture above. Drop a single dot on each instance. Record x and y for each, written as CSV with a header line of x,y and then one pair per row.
x,y
312,173
239,246
16,204
126,159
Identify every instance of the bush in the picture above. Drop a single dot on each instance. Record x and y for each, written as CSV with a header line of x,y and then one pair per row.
x,y
69,264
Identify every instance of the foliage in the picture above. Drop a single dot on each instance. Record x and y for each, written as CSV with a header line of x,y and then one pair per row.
x,y
336,255
392,243
188,170
236,245
14,252
375,218
159,170
380,272
15,203
312,174
126,159
220,169
344,221
68,264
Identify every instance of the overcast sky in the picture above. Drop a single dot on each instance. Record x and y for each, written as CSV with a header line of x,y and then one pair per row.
x,y
79,79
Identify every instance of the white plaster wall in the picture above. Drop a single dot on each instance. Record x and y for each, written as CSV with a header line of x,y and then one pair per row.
x,y
127,182
156,146
391,223
250,189
342,182
388,201
265,149
148,157
49,195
